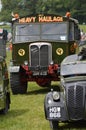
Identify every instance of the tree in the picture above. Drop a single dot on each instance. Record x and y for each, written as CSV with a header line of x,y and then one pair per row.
x,y
29,7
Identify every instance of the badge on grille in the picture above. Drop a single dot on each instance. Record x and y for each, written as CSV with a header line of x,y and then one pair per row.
x,y
21,52
59,51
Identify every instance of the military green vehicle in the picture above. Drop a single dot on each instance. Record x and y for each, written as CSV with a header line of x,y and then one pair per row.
x,y
4,79
39,44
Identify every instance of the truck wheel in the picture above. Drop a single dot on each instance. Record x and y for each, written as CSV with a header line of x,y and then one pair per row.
x,y
54,125
5,110
17,86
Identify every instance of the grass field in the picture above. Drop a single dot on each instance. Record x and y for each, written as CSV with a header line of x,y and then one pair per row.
x,y
27,111
83,27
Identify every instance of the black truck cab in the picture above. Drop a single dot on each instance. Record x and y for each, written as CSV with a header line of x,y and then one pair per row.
x,y
68,104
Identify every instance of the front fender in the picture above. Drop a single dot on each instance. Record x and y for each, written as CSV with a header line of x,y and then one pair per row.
x,y
55,110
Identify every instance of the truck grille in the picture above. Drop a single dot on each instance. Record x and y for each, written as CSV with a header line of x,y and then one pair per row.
x,y
34,56
40,54
75,102
44,55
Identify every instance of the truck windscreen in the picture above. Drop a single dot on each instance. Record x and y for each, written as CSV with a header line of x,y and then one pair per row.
x,y
40,32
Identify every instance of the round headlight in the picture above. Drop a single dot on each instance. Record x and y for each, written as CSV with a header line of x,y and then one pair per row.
x,y
51,63
25,62
56,95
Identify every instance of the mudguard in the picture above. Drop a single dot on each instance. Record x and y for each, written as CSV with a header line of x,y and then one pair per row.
x,y
55,110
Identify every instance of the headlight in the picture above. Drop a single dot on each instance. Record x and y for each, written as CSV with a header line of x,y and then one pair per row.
x,y
56,95
25,62
51,63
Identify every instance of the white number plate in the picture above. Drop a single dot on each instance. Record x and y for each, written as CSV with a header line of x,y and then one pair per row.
x,y
54,112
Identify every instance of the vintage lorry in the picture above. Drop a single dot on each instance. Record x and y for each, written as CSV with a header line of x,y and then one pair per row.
x,y
39,44
4,78
69,103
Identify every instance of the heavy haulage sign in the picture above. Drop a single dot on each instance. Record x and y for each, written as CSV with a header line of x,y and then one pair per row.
x,y
41,19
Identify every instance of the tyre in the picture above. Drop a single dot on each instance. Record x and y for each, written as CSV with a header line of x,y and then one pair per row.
x,y
5,110
17,86
54,125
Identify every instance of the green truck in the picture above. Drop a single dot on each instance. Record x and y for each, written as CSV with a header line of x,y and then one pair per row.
x,y
4,78
39,44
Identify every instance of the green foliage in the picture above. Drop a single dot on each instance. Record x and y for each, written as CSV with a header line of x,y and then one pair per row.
x,y
26,111
28,7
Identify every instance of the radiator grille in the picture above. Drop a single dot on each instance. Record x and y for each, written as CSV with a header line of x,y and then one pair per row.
x,y
75,102
44,55
40,54
34,55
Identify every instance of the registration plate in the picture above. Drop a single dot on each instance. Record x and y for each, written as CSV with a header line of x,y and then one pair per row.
x,y
54,112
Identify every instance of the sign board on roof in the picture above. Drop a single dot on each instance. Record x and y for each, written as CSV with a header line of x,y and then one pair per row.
x,y
41,18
